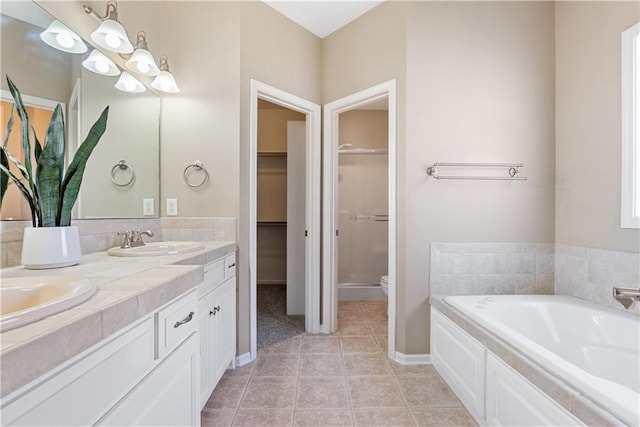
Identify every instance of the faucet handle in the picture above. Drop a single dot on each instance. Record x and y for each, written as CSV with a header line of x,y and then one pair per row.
x,y
126,243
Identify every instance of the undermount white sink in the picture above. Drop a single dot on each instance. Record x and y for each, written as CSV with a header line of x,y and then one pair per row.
x,y
157,248
24,300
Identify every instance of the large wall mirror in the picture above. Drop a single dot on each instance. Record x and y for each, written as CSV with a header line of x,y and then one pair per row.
x,y
122,175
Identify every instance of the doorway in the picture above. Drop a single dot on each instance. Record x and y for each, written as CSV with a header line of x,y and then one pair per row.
x,y
309,226
385,95
280,216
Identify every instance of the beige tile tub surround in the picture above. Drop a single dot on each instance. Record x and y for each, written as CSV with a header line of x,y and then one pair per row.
x,y
127,289
491,268
564,394
590,274
315,380
101,234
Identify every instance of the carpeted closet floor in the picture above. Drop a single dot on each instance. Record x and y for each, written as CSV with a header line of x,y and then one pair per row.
x,y
273,323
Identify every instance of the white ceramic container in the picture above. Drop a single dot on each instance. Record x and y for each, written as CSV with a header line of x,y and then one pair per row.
x,y
50,247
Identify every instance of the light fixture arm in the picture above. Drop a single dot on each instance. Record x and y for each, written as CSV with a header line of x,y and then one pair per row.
x,y
164,63
141,41
111,13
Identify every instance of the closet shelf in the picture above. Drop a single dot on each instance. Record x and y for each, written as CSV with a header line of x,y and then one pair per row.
x,y
272,154
272,222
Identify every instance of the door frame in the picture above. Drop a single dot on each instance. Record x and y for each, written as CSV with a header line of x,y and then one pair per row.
x,y
330,179
312,112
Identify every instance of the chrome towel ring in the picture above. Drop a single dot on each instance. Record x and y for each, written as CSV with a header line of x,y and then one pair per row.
x,y
122,165
196,166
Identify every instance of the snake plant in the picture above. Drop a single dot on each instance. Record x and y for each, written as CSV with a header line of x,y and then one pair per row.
x,y
50,192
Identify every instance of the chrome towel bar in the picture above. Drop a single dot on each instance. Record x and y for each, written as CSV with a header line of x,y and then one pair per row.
x,y
513,171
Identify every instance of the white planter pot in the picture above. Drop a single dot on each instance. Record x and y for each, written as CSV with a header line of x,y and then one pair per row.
x,y
50,247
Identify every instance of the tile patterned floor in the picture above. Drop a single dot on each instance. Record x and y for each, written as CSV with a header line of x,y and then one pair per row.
x,y
343,379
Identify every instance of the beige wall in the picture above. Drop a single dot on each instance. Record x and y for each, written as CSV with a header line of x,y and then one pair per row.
x,y
588,105
492,101
272,128
278,52
480,88
369,51
364,128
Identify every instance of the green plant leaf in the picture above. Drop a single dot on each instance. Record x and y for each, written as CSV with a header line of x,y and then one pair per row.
x,y
25,191
37,147
26,145
4,178
73,177
15,161
9,126
49,171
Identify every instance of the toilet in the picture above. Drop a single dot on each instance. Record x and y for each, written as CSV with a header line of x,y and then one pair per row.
x,y
384,283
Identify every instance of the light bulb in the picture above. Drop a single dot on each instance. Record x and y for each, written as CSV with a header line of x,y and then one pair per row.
x,y
143,67
102,66
64,40
112,41
166,86
129,85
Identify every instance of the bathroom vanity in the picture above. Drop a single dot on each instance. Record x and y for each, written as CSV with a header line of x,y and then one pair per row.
x,y
147,349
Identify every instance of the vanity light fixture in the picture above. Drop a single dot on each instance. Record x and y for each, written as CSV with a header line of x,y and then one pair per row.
x,y
59,36
98,63
128,83
110,35
142,61
165,82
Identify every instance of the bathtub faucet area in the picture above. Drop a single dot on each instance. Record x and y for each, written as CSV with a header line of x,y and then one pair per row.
x,y
627,297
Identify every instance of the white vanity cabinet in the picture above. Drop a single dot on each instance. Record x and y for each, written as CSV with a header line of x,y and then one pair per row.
x,y
145,374
217,318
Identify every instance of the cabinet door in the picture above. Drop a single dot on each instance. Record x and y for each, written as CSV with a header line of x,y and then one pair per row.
x,y
168,396
460,360
512,400
225,320
91,383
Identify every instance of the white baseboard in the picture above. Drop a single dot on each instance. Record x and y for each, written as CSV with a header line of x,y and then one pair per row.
x,y
243,359
413,359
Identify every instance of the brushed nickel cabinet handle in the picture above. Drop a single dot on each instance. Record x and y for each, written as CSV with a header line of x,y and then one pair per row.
x,y
185,320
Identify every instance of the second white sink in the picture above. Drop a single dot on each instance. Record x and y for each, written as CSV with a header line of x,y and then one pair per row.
x,y
157,248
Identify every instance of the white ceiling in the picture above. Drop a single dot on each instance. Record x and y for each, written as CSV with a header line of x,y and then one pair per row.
x,y
323,17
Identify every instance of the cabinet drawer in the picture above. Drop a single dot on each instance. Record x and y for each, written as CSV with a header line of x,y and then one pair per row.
x,y
176,322
213,275
230,265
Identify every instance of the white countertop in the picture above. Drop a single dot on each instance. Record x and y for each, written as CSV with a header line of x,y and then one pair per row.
x,y
128,288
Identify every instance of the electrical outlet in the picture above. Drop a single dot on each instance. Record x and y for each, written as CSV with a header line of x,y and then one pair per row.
x,y
172,207
148,206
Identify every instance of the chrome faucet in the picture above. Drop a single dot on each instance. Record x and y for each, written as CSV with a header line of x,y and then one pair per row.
x,y
136,237
627,297
126,243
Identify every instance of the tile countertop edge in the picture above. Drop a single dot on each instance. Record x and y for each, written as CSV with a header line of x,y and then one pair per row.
x,y
65,335
563,393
